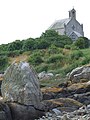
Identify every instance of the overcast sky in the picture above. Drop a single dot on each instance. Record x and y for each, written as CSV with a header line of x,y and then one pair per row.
x,y
21,19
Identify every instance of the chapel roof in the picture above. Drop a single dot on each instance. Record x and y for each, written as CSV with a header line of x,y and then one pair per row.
x,y
59,23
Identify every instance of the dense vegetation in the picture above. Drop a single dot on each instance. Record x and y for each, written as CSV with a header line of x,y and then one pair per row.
x,y
49,52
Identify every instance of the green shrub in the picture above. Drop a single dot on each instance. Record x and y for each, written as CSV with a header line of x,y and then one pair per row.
x,y
3,63
42,67
67,47
82,43
41,44
14,53
16,45
35,59
75,55
54,50
28,44
85,60
55,58
74,47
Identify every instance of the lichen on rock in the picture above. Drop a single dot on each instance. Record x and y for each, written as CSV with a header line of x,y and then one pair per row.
x,y
21,85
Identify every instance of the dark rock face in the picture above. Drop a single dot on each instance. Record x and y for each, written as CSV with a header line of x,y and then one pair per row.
x,y
24,112
21,85
5,113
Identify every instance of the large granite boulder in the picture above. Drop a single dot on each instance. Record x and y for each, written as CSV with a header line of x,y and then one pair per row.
x,y
21,85
80,73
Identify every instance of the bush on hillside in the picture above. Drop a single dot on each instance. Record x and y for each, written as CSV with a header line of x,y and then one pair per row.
x,y
41,44
16,45
35,59
3,47
74,47
67,47
54,50
54,38
28,44
14,53
82,43
54,58
42,67
3,63
85,60
75,55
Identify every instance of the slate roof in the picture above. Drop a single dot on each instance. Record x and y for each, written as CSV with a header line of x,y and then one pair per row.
x,y
59,23
78,34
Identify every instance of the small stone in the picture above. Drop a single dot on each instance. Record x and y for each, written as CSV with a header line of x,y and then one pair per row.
x,y
65,117
88,107
56,111
43,117
59,117
49,114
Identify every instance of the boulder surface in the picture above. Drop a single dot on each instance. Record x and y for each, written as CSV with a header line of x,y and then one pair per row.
x,y
80,73
21,85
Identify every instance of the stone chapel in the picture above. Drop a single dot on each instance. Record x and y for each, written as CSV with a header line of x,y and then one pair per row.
x,y
70,26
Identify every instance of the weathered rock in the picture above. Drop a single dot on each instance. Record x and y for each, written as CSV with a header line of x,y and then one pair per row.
x,y
63,104
24,112
65,117
83,98
51,92
5,113
48,96
56,111
21,85
44,75
80,73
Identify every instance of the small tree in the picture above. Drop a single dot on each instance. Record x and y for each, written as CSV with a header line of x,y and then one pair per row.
x,y
16,45
28,44
41,44
82,42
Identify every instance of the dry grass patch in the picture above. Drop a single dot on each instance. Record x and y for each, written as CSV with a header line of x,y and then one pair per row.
x,y
22,57
51,89
78,86
63,102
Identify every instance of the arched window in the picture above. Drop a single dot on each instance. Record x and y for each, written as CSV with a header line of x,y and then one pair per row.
x,y
73,27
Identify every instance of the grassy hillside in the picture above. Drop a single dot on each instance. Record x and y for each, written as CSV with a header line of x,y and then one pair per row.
x,y
55,60
50,52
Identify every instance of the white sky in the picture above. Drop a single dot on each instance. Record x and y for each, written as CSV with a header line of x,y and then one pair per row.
x,y
21,19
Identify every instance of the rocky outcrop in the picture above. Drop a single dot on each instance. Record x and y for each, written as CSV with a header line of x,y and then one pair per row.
x,y
25,101
80,73
63,104
21,85
20,90
76,91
